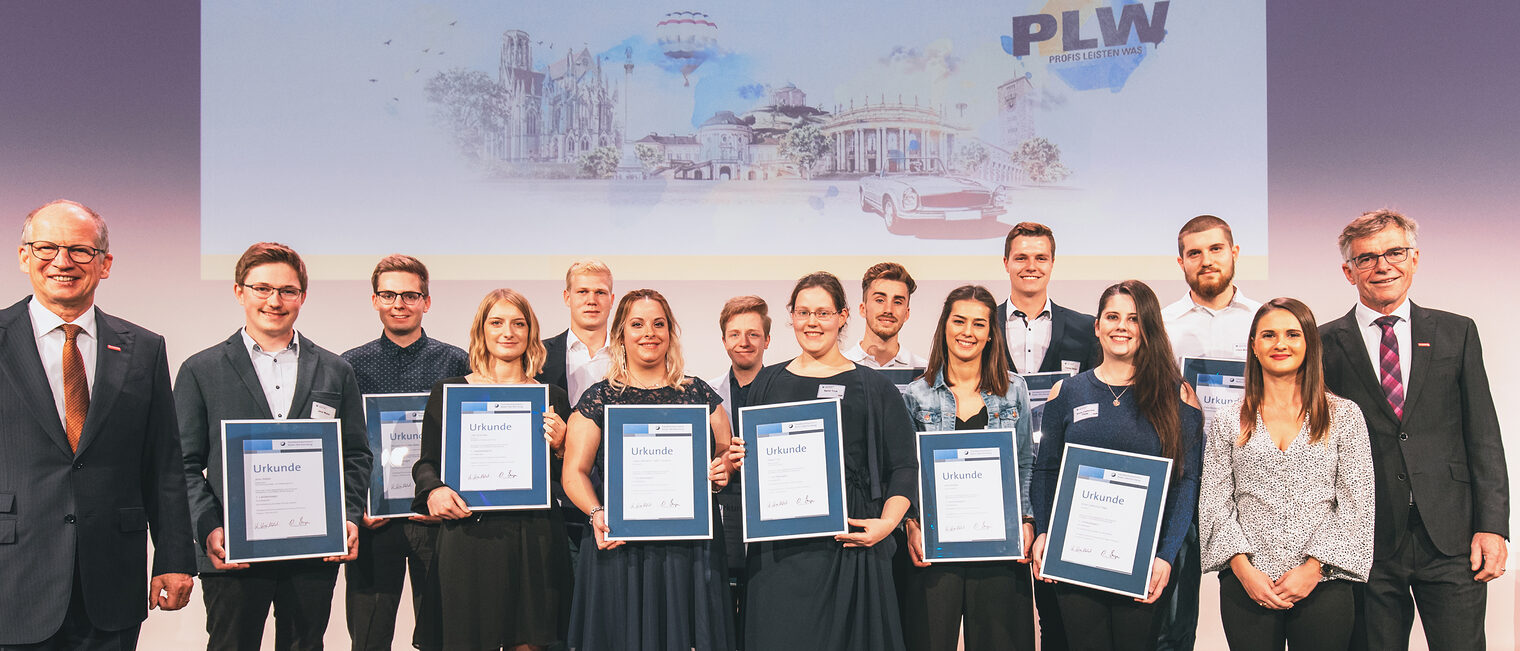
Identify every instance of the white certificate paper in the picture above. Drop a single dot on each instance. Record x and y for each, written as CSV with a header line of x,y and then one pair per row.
x,y
1216,391
1104,526
282,486
657,462
968,495
400,441
793,470
496,446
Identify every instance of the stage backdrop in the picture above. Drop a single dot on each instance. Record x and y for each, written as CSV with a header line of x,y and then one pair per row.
x,y
1370,105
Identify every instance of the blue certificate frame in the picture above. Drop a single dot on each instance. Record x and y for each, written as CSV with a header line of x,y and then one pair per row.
x,y
1106,478
528,401
305,457
939,454
400,416
653,429
901,377
1217,382
1039,385
819,420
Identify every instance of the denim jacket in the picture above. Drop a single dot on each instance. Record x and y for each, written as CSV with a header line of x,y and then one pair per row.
x,y
933,409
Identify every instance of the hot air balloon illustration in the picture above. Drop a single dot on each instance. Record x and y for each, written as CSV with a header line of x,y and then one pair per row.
x,y
688,38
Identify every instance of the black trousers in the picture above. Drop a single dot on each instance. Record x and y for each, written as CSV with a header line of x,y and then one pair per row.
x,y
1102,621
372,594
1452,605
995,598
1052,629
77,632
237,603
1321,621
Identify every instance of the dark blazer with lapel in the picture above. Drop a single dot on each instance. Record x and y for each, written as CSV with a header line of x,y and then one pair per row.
x,y
1071,338
219,384
554,364
1446,451
98,505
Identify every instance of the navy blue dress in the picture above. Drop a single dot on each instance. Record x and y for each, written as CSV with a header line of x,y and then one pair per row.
x,y
651,596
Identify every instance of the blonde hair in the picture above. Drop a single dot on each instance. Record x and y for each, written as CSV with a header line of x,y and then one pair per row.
x,y
588,267
533,358
675,364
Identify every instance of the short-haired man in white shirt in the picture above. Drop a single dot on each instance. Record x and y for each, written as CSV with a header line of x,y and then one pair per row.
x,y
884,294
1214,318
578,357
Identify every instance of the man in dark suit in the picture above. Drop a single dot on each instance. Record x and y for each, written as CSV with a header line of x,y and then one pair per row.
x,y
89,453
266,370
1042,337
1442,491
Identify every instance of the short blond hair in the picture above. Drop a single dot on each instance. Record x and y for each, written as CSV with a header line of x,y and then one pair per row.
x,y
588,267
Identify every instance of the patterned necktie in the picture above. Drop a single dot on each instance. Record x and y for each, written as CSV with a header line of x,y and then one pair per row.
x,y
76,387
1390,375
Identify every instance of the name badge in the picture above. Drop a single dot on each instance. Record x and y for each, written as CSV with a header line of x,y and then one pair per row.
x,y
831,391
319,411
1084,412
1071,366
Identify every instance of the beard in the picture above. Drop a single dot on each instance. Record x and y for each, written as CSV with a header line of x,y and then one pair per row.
x,y
1211,289
886,330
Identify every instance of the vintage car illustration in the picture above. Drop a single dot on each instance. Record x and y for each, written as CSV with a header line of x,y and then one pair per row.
x,y
910,189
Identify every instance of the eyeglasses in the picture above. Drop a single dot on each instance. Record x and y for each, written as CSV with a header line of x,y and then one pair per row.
x,y
263,292
1394,255
80,253
407,298
822,315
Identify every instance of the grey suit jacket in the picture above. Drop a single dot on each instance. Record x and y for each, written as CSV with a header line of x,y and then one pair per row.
x,y
1446,451
219,384
95,507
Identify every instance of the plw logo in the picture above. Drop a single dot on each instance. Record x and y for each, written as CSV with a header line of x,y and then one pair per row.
x,y
1113,30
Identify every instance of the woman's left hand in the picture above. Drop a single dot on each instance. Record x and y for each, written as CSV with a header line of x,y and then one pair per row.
x,y
717,472
1028,542
735,453
554,433
874,530
1298,582
1161,571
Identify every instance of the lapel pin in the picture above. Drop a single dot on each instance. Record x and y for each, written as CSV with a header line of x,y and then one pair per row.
x,y
1422,344
118,348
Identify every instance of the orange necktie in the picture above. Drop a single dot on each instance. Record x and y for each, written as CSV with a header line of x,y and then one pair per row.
x,y
76,387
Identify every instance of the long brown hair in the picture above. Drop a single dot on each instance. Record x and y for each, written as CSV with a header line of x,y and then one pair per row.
x,y
533,358
1156,381
994,378
675,364
1311,374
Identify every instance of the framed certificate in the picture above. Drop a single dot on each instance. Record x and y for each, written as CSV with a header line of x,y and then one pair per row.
x,y
494,452
1039,385
394,424
968,489
794,471
656,461
901,377
1218,382
1106,522
282,490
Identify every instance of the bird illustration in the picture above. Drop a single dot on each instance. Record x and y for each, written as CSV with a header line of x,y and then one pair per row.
x,y
452,23
440,53
373,80
387,41
425,50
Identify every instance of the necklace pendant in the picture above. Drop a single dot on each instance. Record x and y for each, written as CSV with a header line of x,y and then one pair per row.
x,y
1116,402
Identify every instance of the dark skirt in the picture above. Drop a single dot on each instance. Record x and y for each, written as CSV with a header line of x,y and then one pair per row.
x,y
504,580
818,594
652,596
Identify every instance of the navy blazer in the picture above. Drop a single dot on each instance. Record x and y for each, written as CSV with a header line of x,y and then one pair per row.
x,y
219,384
96,506
1071,339
1446,452
554,364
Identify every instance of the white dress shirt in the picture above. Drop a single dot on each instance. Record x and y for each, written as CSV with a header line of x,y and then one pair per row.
x,y
1372,336
1199,331
276,371
1028,339
47,327
582,369
904,358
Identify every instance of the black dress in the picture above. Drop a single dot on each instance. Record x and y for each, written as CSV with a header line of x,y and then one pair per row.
x,y
503,577
651,596
815,593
